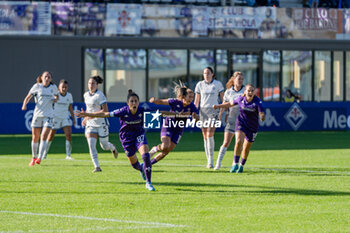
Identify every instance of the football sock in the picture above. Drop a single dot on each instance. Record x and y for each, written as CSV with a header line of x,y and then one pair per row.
x,y
68,148
243,161
48,145
147,166
42,149
34,149
106,145
221,155
236,159
93,151
211,145
153,161
206,149
137,166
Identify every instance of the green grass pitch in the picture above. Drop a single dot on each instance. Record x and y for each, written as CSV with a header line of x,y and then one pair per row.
x,y
293,182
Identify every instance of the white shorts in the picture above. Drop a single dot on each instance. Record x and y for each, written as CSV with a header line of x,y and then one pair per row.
x,y
40,122
101,131
59,123
230,127
208,113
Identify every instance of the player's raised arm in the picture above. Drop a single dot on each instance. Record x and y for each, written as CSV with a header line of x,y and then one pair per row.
x,y
159,101
82,113
224,105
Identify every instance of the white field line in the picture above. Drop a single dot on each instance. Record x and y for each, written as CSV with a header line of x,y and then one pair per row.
x,y
258,167
151,224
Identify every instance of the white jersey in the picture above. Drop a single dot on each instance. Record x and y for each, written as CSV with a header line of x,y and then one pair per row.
x,y
94,103
229,96
209,92
61,107
44,97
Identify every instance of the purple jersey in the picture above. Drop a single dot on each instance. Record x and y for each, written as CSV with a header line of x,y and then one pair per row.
x,y
131,125
176,106
249,112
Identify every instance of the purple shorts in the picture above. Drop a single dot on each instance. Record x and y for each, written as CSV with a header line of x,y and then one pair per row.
x,y
249,135
131,145
173,134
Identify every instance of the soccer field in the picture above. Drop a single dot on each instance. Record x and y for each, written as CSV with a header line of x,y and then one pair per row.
x,y
292,182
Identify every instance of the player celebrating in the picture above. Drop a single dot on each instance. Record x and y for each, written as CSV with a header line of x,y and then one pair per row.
x,y
131,134
247,124
170,136
207,92
45,94
96,102
234,89
62,110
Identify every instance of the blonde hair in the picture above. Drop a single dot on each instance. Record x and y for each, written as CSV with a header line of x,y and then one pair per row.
x,y
231,82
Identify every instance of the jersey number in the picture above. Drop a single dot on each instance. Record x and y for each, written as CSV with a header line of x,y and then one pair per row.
x,y
140,138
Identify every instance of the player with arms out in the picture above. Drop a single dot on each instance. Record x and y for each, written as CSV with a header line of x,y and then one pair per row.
x,y
234,89
170,135
247,124
96,102
45,94
63,110
131,134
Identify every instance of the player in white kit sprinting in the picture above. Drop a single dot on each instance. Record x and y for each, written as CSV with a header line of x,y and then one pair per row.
x,y
207,93
45,94
96,101
63,110
234,89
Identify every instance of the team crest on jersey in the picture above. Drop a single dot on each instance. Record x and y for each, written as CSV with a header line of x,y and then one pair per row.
x,y
295,116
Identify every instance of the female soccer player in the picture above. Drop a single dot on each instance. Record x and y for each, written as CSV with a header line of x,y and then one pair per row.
x,y
247,124
63,110
131,134
234,88
96,103
207,92
45,94
170,136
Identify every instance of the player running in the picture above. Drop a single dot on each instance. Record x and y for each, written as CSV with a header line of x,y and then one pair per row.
x,y
247,124
234,89
63,110
96,102
207,93
131,134
45,94
170,136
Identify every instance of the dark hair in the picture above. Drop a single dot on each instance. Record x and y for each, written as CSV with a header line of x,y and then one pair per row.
x,y
131,93
39,80
63,81
180,89
211,70
98,79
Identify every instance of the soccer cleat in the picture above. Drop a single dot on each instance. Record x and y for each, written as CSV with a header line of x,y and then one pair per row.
x,y
217,167
142,172
38,161
153,151
97,169
209,165
150,187
69,157
115,153
45,157
234,168
32,162
240,169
